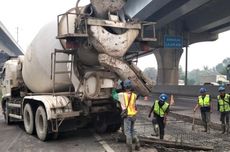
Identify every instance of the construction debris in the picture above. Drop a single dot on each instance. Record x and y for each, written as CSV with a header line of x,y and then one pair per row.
x,y
171,144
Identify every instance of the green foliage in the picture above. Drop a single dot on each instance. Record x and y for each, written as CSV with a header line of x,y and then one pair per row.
x,y
151,72
222,67
181,73
195,75
191,82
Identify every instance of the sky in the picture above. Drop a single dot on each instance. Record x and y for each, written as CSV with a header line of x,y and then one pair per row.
x,y
199,54
28,16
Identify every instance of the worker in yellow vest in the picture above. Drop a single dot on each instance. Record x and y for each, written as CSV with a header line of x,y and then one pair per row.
x,y
129,111
224,109
160,109
204,102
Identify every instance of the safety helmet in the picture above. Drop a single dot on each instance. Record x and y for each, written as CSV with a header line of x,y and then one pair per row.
x,y
203,90
221,89
163,97
127,84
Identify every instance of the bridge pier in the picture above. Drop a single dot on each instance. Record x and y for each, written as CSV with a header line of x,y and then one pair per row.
x,y
168,65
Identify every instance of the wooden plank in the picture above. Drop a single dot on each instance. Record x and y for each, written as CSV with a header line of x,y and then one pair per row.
x,y
171,144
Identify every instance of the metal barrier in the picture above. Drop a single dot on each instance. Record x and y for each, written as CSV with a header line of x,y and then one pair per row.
x,y
192,91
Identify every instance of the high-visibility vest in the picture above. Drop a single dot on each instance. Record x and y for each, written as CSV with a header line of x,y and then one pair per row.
x,y
204,102
160,110
224,103
131,104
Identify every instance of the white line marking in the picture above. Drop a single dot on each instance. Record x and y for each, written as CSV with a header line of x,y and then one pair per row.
x,y
14,140
103,143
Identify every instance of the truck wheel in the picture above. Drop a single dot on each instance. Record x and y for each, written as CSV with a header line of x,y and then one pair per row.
x,y
100,124
6,115
41,123
114,127
28,118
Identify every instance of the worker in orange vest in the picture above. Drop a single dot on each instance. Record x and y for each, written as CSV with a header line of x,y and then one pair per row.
x,y
129,111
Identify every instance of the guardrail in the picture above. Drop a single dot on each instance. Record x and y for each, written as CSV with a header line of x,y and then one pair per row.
x,y
192,91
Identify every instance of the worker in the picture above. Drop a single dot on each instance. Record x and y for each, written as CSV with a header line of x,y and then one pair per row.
x,y
204,102
224,109
160,109
114,91
128,104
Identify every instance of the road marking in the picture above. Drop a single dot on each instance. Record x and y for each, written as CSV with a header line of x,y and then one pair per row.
x,y
14,140
103,143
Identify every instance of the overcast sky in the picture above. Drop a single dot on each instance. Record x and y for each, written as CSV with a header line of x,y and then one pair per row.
x,y
30,15
199,54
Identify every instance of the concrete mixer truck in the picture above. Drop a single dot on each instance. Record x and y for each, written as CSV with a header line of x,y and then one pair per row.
x,y
65,79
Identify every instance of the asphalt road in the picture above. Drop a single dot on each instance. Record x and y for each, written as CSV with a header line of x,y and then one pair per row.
x,y
13,138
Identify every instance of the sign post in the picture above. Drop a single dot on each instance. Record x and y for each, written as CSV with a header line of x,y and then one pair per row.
x,y
173,42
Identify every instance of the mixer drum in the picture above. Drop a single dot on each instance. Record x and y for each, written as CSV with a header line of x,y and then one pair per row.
x,y
37,63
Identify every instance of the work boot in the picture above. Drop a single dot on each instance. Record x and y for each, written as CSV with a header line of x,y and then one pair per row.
x,y
161,136
223,128
129,148
137,144
205,128
129,144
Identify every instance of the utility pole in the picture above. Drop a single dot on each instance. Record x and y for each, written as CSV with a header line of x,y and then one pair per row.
x,y
228,72
186,61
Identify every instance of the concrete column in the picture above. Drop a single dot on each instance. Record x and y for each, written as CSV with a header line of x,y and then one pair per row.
x,y
168,65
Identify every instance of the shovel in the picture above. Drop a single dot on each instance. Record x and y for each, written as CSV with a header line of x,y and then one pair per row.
x,y
193,121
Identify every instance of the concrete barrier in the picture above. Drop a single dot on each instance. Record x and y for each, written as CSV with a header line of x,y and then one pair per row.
x,y
192,91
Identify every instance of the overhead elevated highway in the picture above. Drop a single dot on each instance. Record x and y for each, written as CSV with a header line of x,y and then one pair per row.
x,y
7,42
8,46
191,20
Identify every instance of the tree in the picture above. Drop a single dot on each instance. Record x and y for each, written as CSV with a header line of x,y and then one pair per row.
x,y
222,67
151,72
181,73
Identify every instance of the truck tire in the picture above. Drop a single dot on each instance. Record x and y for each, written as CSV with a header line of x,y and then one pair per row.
x,y
28,119
100,124
41,123
113,128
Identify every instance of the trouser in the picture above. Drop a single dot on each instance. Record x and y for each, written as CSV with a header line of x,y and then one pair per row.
x,y
205,116
130,132
155,126
160,122
224,118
